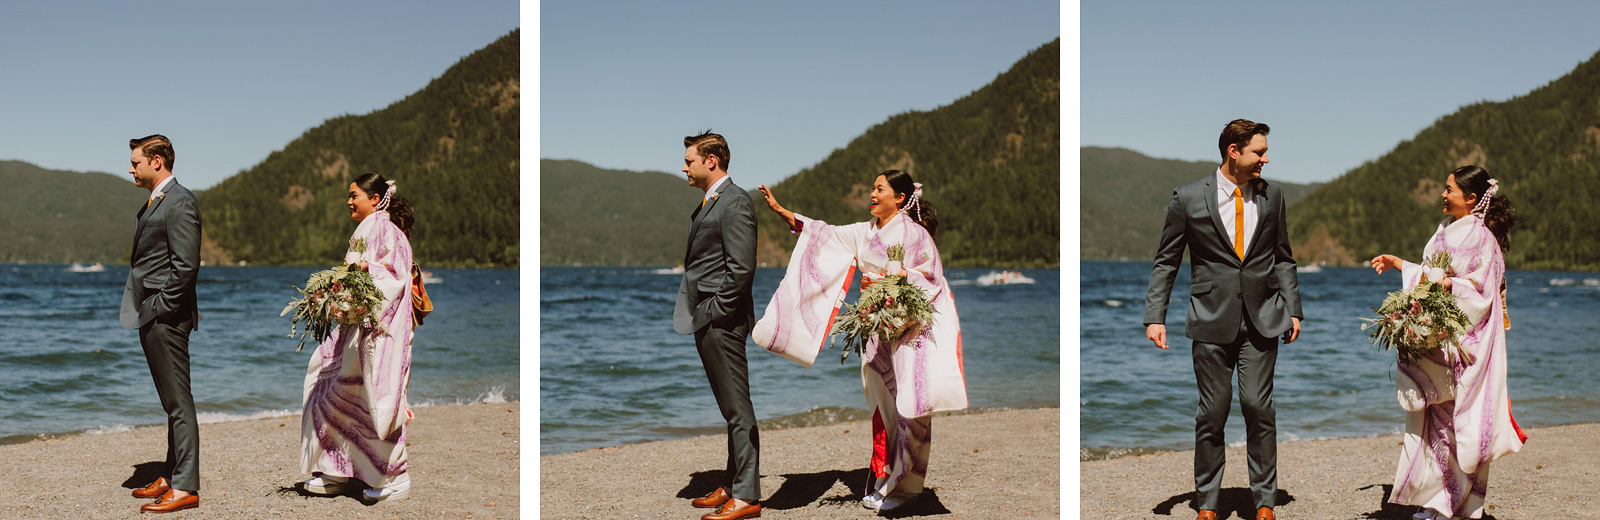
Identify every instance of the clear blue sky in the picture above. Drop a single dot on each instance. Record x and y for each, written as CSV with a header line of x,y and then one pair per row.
x,y
228,82
785,82
1341,83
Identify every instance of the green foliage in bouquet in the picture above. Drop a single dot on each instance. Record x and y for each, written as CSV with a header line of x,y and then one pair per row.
x,y
1416,321
344,295
888,310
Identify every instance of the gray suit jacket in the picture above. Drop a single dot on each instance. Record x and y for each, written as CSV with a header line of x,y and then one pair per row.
x,y
719,264
1223,287
166,260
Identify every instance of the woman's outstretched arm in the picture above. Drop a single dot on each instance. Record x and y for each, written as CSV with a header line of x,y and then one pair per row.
x,y
772,204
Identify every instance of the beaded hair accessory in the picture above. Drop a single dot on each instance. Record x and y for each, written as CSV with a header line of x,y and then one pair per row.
x,y
916,195
384,204
1483,203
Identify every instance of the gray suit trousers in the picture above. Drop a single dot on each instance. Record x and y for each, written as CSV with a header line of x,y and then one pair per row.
x,y
1254,357
722,354
166,348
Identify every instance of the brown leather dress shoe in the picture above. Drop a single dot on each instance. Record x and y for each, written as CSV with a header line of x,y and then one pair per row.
x,y
1265,513
726,512
713,499
167,504
154,490
1206,514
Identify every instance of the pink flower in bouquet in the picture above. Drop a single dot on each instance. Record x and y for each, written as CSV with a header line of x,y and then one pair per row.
x,y
337,286
889,302
1416,308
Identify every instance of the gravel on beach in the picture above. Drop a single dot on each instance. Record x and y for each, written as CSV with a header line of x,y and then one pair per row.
x,y
1556,475
464,464
1002,464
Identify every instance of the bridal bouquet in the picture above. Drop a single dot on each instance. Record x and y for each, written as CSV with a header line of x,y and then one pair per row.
x,y
888,310
1416,321
344,295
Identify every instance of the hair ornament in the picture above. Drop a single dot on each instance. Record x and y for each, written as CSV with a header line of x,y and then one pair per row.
x,y
1483,202
912,204
384,204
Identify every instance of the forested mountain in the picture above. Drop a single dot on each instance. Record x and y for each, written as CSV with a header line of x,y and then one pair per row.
x,y
1124,196
451,148
1544,147
62,216
990,163
591,216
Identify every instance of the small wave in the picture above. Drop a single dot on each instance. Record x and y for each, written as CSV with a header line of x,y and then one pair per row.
x,y
1562,282
494,395
117,428
1112,303
216,417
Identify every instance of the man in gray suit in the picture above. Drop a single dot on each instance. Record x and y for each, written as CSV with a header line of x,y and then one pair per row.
x,y
716,305
159,300
1243,295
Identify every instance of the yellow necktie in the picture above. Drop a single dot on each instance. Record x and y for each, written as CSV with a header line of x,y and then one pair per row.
x,y
1238,223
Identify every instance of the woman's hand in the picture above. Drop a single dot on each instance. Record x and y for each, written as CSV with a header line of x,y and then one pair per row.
x,y
362,264
867,279
772,204
1383,263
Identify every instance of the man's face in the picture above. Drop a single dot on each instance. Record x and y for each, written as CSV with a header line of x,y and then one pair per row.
x,y
1252,157
697,168
142,169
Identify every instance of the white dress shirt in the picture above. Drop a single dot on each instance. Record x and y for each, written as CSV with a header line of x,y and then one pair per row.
x,y
713,189
1226,208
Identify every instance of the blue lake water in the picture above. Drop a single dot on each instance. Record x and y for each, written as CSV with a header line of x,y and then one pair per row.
x,y
1332,382
612,372
67,365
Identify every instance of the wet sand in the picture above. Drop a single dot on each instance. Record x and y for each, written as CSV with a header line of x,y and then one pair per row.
x,y
1556,475
464,464
1004,464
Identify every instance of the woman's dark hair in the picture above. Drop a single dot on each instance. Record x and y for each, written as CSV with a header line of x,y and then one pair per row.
x,y
399,210
1498,217
922,213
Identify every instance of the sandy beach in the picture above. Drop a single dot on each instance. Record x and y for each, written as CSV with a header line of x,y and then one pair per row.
x,y
1556,475
464,464
1003,464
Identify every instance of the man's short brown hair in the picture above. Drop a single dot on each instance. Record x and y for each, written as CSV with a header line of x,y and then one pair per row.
x,y
1238,133
155,145
708,143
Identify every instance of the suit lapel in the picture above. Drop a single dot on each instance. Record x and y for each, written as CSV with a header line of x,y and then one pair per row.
x,y
699,216
1259,195
1216,218
150,210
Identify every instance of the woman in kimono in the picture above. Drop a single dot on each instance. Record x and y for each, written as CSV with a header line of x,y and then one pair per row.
x,y
354,425
1458,413
905,380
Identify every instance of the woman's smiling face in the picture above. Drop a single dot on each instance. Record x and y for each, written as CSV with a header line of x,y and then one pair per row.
x,y
885,202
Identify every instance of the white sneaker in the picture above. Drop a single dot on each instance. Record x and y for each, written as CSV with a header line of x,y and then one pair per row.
x,y
326,485
895,500
398,489
873,501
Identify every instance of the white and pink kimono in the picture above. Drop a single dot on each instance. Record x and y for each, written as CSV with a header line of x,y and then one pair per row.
x,y
1458,413
904,382
356,412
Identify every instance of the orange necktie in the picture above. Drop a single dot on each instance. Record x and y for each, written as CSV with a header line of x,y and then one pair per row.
x,y
1238,223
